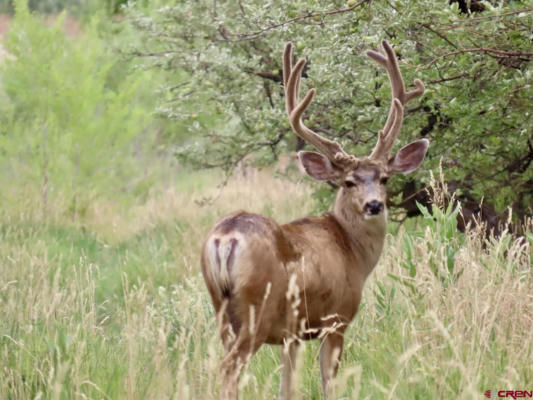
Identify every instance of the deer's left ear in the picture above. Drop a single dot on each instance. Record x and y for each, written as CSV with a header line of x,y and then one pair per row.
x,y
409,157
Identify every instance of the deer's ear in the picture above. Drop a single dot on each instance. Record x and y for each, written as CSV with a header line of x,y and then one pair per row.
x,y
409,157
318,166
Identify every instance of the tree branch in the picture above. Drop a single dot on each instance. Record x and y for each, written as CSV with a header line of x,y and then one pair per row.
x,y
439,34
236,37
484,50
450,78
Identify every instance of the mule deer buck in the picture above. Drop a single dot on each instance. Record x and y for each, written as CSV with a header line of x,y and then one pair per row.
x,y
280,284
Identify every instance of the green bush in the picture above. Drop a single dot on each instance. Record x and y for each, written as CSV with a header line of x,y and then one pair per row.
x,y
476,67
76,7
70,111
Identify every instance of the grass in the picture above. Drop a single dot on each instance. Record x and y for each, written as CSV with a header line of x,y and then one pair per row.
x,y
111,305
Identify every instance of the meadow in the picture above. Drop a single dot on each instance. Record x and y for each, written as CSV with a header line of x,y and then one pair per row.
x,y
114,307
101,295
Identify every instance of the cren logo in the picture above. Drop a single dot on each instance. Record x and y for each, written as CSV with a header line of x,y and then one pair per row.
x,y
514,394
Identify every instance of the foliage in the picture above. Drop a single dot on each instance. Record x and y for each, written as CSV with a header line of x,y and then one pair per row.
x,y
47,6
477,69
443,244
73,113
76,7
107,301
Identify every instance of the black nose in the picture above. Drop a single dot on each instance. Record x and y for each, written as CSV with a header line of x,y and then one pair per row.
x,y
374,207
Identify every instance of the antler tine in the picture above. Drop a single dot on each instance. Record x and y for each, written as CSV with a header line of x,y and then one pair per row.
x,y
399,98
287,63
287,69
295,109
386,139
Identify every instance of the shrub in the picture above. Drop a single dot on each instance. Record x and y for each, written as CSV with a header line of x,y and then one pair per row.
x,y
70,110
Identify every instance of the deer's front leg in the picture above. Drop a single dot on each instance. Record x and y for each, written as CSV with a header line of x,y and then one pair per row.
x,y
330,354
289,351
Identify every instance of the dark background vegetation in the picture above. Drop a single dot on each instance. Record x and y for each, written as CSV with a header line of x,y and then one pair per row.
x,y
78,7
216,98
475,58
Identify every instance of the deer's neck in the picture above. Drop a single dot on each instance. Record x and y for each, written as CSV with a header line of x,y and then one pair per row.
x,y
366,235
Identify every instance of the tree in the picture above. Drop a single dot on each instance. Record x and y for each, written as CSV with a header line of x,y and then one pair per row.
x,y
476,67
69,113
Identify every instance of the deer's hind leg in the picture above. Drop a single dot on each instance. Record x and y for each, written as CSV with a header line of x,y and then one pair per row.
x,y
239,350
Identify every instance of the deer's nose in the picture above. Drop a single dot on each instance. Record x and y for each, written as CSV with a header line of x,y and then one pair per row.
x,y
373,207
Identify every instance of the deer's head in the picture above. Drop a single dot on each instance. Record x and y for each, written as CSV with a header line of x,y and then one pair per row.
x,y
362,181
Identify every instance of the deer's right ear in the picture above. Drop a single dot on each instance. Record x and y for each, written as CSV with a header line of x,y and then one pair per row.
x,y
318,166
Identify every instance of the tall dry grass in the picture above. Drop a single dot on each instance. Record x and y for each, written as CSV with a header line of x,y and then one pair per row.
x,y
112,306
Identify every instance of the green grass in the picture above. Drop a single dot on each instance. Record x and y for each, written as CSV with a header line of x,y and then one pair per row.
x,y
113,306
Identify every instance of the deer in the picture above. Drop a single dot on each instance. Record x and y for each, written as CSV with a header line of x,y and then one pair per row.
x,y
284,284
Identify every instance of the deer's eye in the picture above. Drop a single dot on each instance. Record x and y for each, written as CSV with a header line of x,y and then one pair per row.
x,y
384,180
349,184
